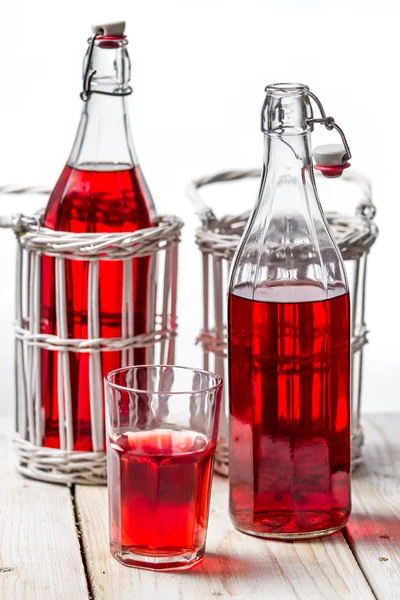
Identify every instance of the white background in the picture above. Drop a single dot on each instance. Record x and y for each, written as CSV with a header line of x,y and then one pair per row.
x,y
199,70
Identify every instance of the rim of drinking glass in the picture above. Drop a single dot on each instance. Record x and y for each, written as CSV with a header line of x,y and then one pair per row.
x,y
218,384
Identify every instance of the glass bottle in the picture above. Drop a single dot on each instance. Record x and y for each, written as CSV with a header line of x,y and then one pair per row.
x,y
101,189
288,345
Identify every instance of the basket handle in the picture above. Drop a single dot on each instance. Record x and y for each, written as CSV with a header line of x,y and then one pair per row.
x,y
365,207
19,222
202,210
207,216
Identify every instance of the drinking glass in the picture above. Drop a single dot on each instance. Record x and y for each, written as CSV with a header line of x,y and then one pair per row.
x,y
162,425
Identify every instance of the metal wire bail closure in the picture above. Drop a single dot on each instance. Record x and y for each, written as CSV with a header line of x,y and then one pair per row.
x,y
330,164
90,73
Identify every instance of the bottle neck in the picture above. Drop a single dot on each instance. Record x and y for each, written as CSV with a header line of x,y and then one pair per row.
x,y
288,155
288,173
103,140
286,127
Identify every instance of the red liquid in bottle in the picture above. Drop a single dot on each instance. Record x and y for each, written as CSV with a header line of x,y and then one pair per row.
x,y
159,484
90,201
290,414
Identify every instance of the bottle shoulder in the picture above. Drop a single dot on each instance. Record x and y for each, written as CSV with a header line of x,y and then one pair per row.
x,y
288,246
101,200
289,292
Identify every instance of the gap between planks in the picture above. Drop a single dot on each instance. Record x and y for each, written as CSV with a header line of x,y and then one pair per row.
x,y
81,543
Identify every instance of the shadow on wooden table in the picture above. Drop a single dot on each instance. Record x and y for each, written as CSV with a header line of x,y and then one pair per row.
x,y
374,526
216,565
366,471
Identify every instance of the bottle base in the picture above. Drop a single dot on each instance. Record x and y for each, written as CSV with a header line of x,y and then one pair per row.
x,y
291,537
179,562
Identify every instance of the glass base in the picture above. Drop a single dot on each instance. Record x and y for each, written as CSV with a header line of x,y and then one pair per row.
x,y
291,537
157,563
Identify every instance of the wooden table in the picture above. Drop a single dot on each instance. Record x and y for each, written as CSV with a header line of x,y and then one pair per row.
x,y
54,542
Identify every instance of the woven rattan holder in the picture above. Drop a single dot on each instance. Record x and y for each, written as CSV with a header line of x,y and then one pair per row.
x,y
218,238
160,244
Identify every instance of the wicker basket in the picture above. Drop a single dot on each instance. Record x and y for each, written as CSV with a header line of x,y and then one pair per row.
x,y
218,238
160,244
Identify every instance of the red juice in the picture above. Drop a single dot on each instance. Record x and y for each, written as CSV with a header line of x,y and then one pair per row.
x,y
90,201
290,414
159,484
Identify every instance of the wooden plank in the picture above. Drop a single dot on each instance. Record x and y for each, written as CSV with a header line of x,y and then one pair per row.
x,y
236,565
374,529
40,556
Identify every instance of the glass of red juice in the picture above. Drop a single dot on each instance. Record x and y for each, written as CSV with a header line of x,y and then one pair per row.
x,y
162,425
